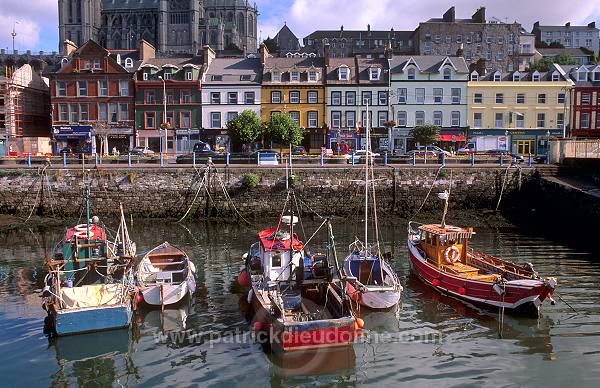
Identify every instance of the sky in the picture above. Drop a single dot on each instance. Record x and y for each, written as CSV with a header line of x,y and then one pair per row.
x,y
36,21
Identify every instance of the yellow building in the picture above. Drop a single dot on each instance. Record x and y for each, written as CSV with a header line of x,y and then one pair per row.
x,y
295,86
517,111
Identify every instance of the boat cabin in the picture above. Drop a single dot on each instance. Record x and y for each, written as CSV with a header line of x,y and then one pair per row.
x,y
445,246
278,254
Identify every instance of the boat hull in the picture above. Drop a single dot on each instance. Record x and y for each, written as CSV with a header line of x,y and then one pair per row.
x,y
376,300
521,297
170,295
301,336
92,319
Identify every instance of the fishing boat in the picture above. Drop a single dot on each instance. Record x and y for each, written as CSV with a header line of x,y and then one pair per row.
x,y
297,296
370,280
89,281
165,276
441,257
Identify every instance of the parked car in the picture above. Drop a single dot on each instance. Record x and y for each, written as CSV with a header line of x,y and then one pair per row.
x,y
267,157
540,159
429,150
200,156
141,151
506,155
201,146
299,150
357,155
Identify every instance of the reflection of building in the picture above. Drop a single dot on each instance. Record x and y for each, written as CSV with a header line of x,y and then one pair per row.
x,y
522,108
585,100
25,111
351,84
295,86
172,26
229,87
92,98
429,90
181,78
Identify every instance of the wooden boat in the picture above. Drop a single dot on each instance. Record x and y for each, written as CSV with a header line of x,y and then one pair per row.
x,y
440,255
370,280
89,281
165,275
297,297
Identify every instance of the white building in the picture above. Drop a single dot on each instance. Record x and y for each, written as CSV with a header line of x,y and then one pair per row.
x,y
429,90
351,84
229,87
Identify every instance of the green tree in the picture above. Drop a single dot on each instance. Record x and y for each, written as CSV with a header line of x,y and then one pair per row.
x,y
564,59
246,127
425,134
556,45
271,44
284,131
541,65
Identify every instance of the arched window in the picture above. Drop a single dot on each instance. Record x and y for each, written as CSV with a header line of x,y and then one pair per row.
x,y
63,62
230,17
251,31
128,63
241,24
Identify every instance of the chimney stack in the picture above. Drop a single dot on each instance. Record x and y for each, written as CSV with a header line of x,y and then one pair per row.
x,y
568,24
209,55
264,54
479,16
592,25
69,47
450,15
147,51
342,28
368,27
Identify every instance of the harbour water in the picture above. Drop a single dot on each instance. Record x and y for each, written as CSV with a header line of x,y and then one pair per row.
x,y
429,340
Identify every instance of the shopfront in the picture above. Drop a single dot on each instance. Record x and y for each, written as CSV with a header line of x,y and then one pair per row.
x,y
73,139
343,141
218,139
185,140
519,141
452,139
400,138
114,139
153,139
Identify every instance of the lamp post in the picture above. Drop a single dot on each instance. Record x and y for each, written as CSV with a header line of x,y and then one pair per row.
x,y
14,34
506,140
165,124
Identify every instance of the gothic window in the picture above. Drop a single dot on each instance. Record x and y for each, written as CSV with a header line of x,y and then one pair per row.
x,y
241,23
213,38
250,25
230,17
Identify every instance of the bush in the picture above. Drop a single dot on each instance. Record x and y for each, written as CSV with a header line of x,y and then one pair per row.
x,y
250,180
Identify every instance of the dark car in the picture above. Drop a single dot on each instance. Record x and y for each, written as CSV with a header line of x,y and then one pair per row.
x,y
299,150
202,147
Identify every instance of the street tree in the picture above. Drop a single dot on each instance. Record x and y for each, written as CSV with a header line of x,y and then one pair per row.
x,y
425,134
246,127
284,131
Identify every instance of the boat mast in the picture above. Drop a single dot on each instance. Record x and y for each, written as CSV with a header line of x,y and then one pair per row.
x,y
367,179
87,219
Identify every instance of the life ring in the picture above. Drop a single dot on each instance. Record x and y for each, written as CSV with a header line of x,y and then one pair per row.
x,y
81,227
451,254
297,246
83,234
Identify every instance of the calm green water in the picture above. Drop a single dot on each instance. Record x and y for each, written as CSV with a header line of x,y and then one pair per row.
x,y
429,340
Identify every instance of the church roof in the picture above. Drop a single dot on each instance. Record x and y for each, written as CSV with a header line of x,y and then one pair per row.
x,y
127,4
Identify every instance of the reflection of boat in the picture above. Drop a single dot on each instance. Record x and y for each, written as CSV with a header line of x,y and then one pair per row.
x,y
87,288
81,347
313,362
370,280
297,297
169,319
441,257
165,275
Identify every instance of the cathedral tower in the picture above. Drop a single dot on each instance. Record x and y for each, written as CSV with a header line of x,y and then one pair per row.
x,y
79,20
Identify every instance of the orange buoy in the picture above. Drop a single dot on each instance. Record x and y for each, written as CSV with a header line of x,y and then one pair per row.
x,y
435,282
258,326
139,297
462,291
360,323
243,279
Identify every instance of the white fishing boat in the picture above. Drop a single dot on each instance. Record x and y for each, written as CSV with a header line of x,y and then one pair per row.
x,y
370,280
165,275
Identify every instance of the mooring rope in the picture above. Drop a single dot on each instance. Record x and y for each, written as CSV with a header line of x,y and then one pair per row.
x,y
428,193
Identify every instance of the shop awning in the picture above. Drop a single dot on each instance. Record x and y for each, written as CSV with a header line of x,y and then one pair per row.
x,y
453,138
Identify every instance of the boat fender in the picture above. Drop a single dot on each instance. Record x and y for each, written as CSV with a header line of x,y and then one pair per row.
x,y
192,267
499,288
46,292
258,326
435,282
139,297
360,323
552,282
462,291
451,254
243,279
250,296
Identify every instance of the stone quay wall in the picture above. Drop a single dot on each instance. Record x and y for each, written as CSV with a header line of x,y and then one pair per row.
x,y
170,192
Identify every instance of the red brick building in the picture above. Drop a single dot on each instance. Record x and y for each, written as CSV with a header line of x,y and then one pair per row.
x,y
585,100
92,97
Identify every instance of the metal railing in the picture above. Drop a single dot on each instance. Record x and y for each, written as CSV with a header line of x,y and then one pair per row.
x,y
261,159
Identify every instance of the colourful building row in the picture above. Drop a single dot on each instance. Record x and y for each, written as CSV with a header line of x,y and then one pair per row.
x,y
114,100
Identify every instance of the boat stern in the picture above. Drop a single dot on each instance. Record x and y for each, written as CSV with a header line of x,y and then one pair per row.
x,y
296,336
92,319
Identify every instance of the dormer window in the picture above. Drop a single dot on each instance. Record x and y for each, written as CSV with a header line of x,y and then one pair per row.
x,y
597,76
536,76
276,76
145,76
63,62
555,76
188,75
128,63
294,76
168,76
119,59
312,76
374,73
447,74
497,76
474,76
343,74
97,64
516,76
582,75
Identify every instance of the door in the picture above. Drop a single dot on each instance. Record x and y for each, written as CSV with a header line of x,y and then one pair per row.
x,y
524,147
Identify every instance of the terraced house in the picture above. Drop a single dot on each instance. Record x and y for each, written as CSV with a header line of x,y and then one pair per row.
x,y
171,86
352,84
229,87
296,86
585,100
518,111
429,90
92,98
